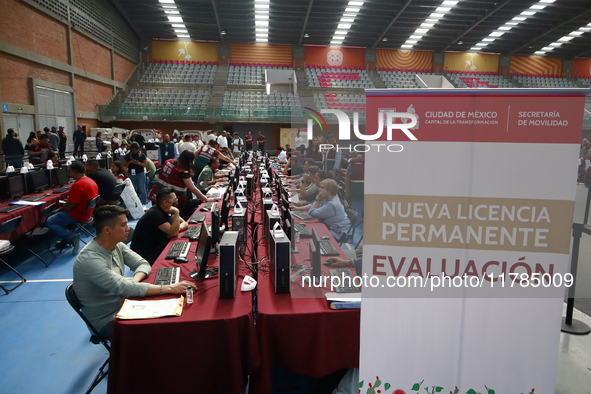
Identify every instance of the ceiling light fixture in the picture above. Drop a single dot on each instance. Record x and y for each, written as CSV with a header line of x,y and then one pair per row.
x,y
346,21
175,19
261,16
429,23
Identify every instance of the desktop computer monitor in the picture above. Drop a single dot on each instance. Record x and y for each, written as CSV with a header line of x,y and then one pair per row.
x,y
225,210
16,186
62,176
215,226
37,181
315,238
288,229
315,260
102,162
202,254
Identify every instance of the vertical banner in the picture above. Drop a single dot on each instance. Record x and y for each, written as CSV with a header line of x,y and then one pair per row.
x,y
466,243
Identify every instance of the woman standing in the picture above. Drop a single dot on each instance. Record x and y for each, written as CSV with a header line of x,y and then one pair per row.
x,y
176,175
313,151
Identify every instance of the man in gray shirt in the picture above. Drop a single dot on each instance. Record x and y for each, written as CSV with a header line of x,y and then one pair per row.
x,y
99,268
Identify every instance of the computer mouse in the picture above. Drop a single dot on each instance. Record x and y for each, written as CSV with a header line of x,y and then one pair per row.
x,y
329,262
204,209
195,239
325,237
181,260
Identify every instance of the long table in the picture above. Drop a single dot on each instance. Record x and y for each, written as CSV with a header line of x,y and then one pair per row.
x,y
30,213
298,330
211,348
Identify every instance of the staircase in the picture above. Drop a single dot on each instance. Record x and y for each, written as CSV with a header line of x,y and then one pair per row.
x,y
219,86
375,78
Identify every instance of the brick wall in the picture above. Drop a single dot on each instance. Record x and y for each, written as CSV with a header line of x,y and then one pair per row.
x,y
15,74
89,94
123,68
90,56
27,28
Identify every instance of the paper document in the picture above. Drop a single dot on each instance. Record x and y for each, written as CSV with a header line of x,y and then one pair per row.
x,y
294,198
21,202
343,297
145,309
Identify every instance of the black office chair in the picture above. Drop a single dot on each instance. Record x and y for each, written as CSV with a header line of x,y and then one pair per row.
x,y
94,338
7,227
40,232
116,194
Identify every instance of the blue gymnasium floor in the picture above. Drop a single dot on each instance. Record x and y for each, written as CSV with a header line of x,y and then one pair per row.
x,y
45,344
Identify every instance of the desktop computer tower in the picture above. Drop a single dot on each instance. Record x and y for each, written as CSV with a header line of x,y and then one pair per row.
x,y
249,185
239,225
267,205
228,268
279,261
269,223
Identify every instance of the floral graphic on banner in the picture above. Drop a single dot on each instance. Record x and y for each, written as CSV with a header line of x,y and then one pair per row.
x,y
411,110
334,57
471,62
375,388
185,51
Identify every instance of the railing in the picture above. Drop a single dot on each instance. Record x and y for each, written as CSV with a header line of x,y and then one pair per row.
x,y
131,112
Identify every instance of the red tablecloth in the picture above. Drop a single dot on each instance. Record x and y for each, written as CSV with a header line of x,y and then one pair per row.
x,y
302,334
30,213
211,348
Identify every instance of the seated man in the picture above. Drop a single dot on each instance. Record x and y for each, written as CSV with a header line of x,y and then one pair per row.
x,y
74,210
99,268
207,177
105,181
309,192
281,155
329,208
157,226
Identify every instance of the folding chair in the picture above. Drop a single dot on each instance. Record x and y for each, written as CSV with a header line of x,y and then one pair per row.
x,y
80,225
94,338
116,194
39,232
8,227
352,215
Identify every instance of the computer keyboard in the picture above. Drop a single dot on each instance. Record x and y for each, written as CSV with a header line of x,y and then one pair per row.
x,y
34,199
213,195
304,232
208,205
11,208
327,248
346,281
167,276
223,184
197,217
60,190
192,232
178,249
301,215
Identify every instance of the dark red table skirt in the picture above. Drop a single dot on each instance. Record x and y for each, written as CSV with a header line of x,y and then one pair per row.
x,y
302,334
30,214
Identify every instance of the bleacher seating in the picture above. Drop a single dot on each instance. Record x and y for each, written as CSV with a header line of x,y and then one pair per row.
x,y
181,72
251,74
168,98
237,99
348,103
404,79
585,81
543,81
478,80
334,77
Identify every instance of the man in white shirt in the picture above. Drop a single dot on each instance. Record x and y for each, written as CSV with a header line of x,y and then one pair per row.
x,y
222,140
237,145
197,141
187,145
212,136
281,155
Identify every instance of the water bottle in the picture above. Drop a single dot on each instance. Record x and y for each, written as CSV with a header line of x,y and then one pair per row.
x,y
189,295
296,237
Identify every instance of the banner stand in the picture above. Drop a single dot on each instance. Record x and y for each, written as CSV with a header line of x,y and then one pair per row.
x,y
570,325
